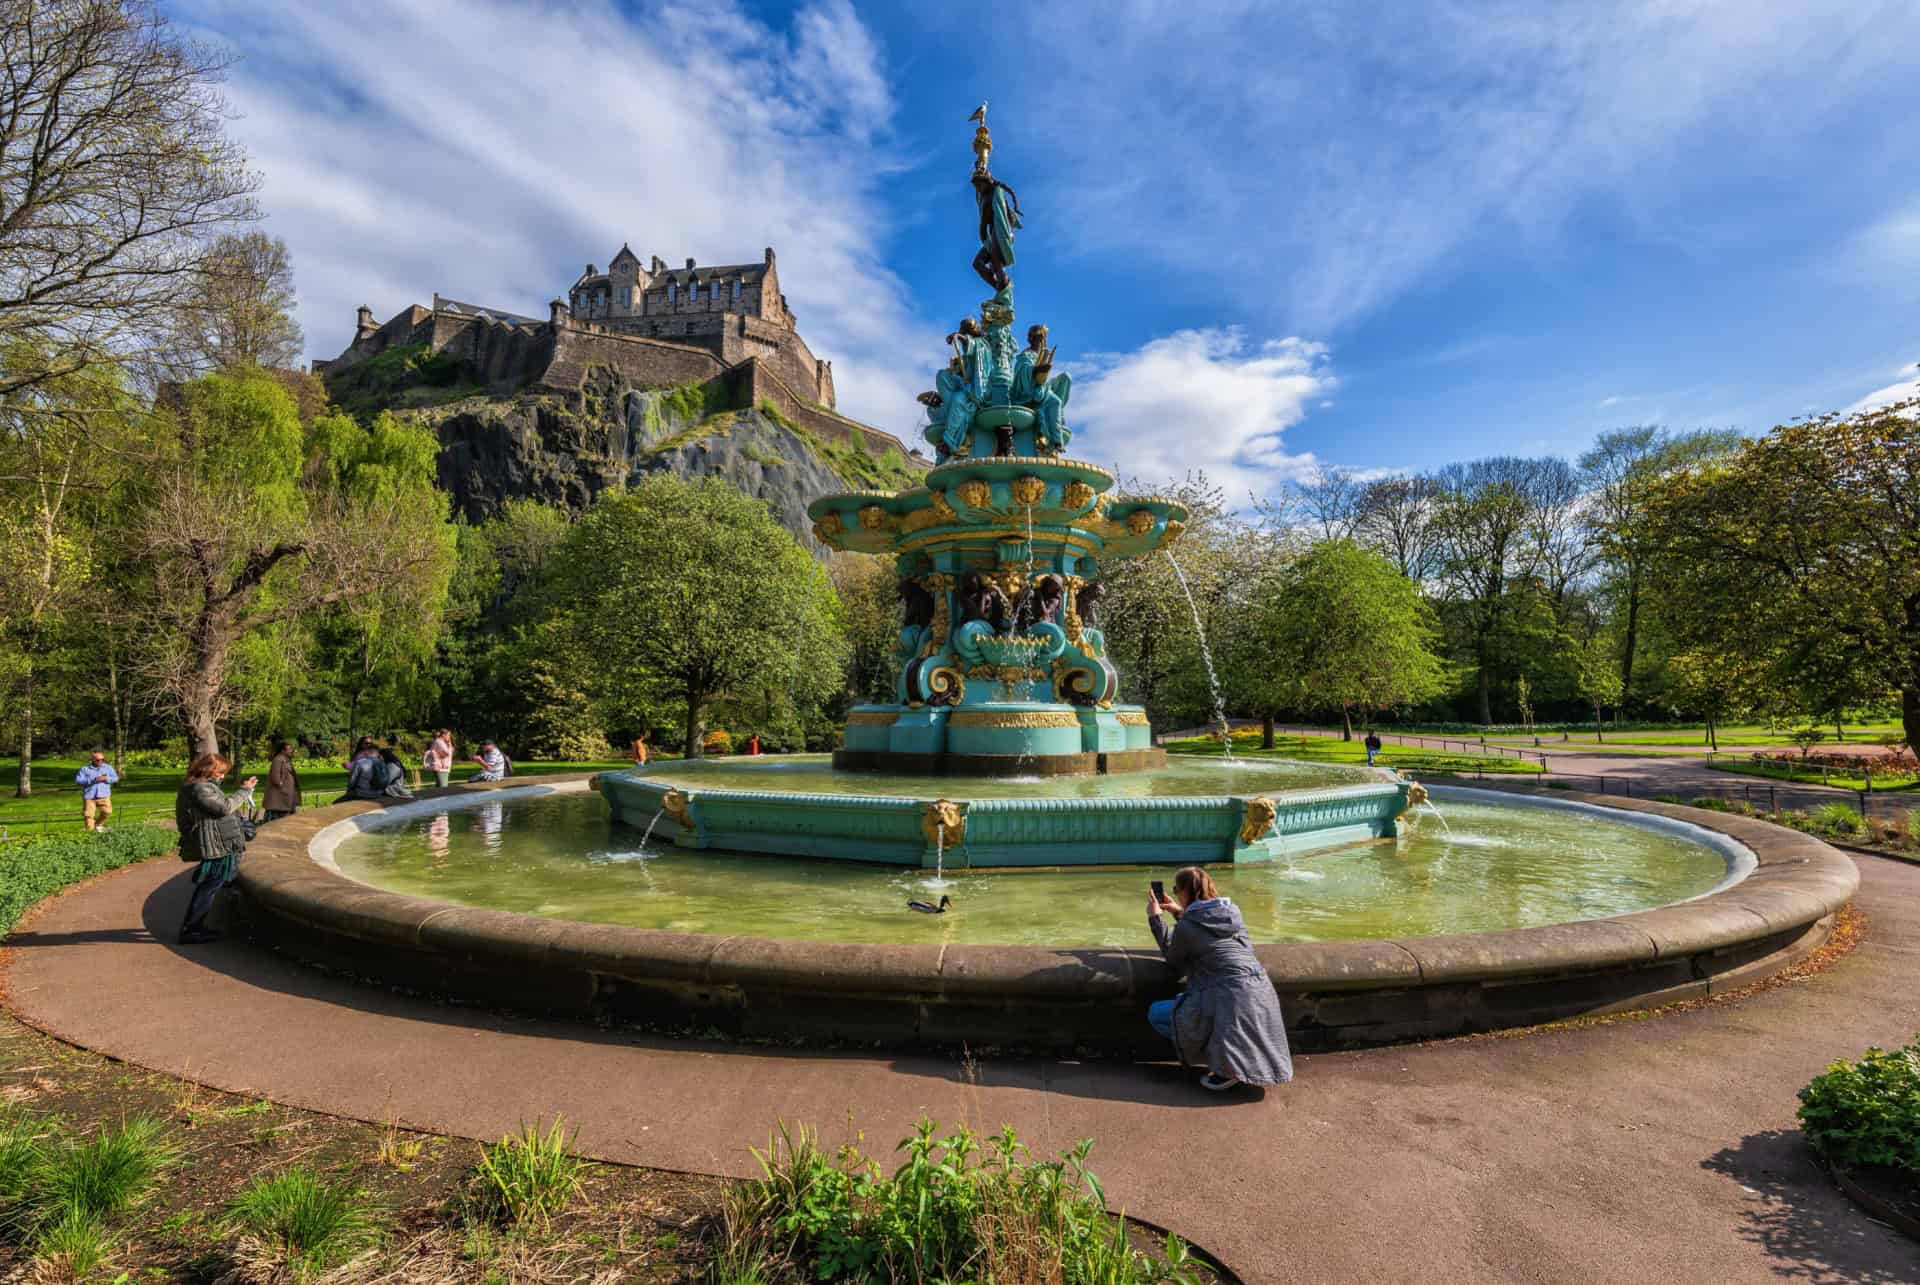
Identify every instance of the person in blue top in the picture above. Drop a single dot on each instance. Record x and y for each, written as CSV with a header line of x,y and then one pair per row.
x,y
96,780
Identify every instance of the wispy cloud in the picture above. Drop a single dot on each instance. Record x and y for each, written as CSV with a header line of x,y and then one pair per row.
x,y
488,151
1202,401
1906,388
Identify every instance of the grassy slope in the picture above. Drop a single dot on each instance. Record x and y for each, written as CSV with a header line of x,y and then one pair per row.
x,y
1320,749
1812,776
54,806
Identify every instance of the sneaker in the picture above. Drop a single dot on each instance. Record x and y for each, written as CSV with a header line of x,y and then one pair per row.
x,y
1217,1083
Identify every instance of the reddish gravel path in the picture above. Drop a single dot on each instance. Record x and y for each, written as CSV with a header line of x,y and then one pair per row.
x,y
1643,1150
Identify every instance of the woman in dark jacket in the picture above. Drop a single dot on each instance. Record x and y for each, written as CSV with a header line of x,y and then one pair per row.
x,y
1228,1019
210,834
283,784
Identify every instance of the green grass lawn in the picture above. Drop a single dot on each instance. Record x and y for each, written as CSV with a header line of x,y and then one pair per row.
x,y
1811,775
54,805
1751,734
1322,749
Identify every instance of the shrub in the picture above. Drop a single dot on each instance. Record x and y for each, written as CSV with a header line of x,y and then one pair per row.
x,y
1711,804
102,1175
1837,819
300,1221
1913,825
718,741
529,1176
957,1208
34,868
1867,1113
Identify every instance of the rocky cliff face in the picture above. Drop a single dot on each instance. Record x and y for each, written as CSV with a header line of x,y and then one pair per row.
x,y
567,450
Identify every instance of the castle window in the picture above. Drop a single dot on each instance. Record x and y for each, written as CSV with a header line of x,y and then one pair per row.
x,y
673,292
736,291
693,290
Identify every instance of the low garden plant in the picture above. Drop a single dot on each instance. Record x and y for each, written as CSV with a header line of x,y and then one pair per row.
x,y
297,1221
1865,1114
528,1177
959,1207
39,867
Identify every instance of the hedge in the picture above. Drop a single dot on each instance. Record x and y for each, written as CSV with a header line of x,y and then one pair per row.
x,y
34,868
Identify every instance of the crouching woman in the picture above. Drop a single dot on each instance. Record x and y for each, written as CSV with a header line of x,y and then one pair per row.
x,y
211,834
1228,1019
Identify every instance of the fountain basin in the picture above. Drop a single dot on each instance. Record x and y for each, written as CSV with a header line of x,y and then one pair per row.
x,y
1335,993
907,821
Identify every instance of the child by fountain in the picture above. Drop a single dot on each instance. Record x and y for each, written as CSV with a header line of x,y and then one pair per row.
x,y
1228,1019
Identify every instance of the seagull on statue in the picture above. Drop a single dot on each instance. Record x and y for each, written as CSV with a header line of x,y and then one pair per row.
x,y
980,112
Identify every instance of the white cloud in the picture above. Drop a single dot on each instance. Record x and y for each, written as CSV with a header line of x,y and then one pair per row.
x,y
488,150
1618,399
1904,389
1202,400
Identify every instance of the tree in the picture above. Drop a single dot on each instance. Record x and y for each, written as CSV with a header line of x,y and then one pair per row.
x,y
245,521
688,591
1332,503
1598,677
1338,629
870,611
114,172
1397,520
1485,515
57,440
1619,473
237,310
1801,550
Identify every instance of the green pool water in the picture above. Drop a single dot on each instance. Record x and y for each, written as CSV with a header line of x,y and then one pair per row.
x,y
1503,866
1182,777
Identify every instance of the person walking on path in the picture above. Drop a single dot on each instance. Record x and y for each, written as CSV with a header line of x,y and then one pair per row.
x,y
283,784
494,766
439,758
96,780
1373,745
640,750
211,834
753,744
1228,1019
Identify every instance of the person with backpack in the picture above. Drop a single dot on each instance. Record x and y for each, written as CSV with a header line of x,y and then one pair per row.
x,y
391,775
212,834
365,773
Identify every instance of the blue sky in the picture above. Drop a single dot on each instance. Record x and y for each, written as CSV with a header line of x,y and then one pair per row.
x,y
1268,236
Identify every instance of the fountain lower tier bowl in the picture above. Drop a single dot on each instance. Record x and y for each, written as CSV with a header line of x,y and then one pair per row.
x,y
1145,817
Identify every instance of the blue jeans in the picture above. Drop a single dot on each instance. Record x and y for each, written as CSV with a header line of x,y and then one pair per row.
x,y
1370,753
1160,1015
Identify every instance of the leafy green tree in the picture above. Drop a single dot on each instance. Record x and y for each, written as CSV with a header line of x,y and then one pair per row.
x,y
1802,550
1338,629
245,520
868,589
688,591
1600,680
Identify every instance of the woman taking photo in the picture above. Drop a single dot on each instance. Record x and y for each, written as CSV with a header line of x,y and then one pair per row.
x,y
211,834
1228,1019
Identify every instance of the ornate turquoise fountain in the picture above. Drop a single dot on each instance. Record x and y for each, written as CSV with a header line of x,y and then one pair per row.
x,y
1003,667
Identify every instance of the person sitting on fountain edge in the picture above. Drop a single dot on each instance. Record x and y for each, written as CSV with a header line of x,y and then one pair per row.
x,y
1228,1019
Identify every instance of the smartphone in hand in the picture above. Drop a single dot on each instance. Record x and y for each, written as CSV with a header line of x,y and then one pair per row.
x,y
1159,890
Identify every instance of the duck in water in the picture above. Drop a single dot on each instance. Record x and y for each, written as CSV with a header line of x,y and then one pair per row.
x,y
928,908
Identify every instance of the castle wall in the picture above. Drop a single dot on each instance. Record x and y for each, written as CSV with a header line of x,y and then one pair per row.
x,y
648,363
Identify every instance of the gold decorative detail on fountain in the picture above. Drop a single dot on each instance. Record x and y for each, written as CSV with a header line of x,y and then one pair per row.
x,y
1132,718
944,824
1069,683
828,527
1009,580
939,585
1140,521
873,717
678,805
975,494
1174,527
1070,611
947,682
1028,718
1416,796
1076,495
875,518
1260,816
944,507
1029,490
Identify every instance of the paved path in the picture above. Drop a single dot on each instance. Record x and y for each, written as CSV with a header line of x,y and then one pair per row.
x,y
1645,1150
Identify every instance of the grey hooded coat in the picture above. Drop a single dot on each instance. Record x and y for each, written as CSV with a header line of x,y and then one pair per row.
x,y
1229,1018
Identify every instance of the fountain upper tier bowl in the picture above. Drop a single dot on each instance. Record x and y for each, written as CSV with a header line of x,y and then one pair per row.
x,y
1189,811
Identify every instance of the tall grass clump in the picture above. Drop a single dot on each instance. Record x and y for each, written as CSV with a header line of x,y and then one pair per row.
x,y
21,1136
72,1245
1838,818
958,1207
103,1175
526,1178
298,1220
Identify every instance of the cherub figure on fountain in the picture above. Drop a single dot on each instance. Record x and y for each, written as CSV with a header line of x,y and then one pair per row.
x,y
1035,385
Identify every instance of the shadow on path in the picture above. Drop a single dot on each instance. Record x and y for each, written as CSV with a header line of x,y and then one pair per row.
x,y
1802,1221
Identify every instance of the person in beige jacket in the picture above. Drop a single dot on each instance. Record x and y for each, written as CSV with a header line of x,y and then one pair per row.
x,y
283,784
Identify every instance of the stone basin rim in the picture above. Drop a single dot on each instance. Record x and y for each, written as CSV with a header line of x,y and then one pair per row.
x,y
1337,993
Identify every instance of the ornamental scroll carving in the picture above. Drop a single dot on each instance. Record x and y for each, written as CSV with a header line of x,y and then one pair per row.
x,y
678,805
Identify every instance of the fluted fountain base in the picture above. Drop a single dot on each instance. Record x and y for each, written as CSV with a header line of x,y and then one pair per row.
x,y
999,765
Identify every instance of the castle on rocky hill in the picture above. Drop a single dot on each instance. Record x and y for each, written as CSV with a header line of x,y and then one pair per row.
x,y
727,327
